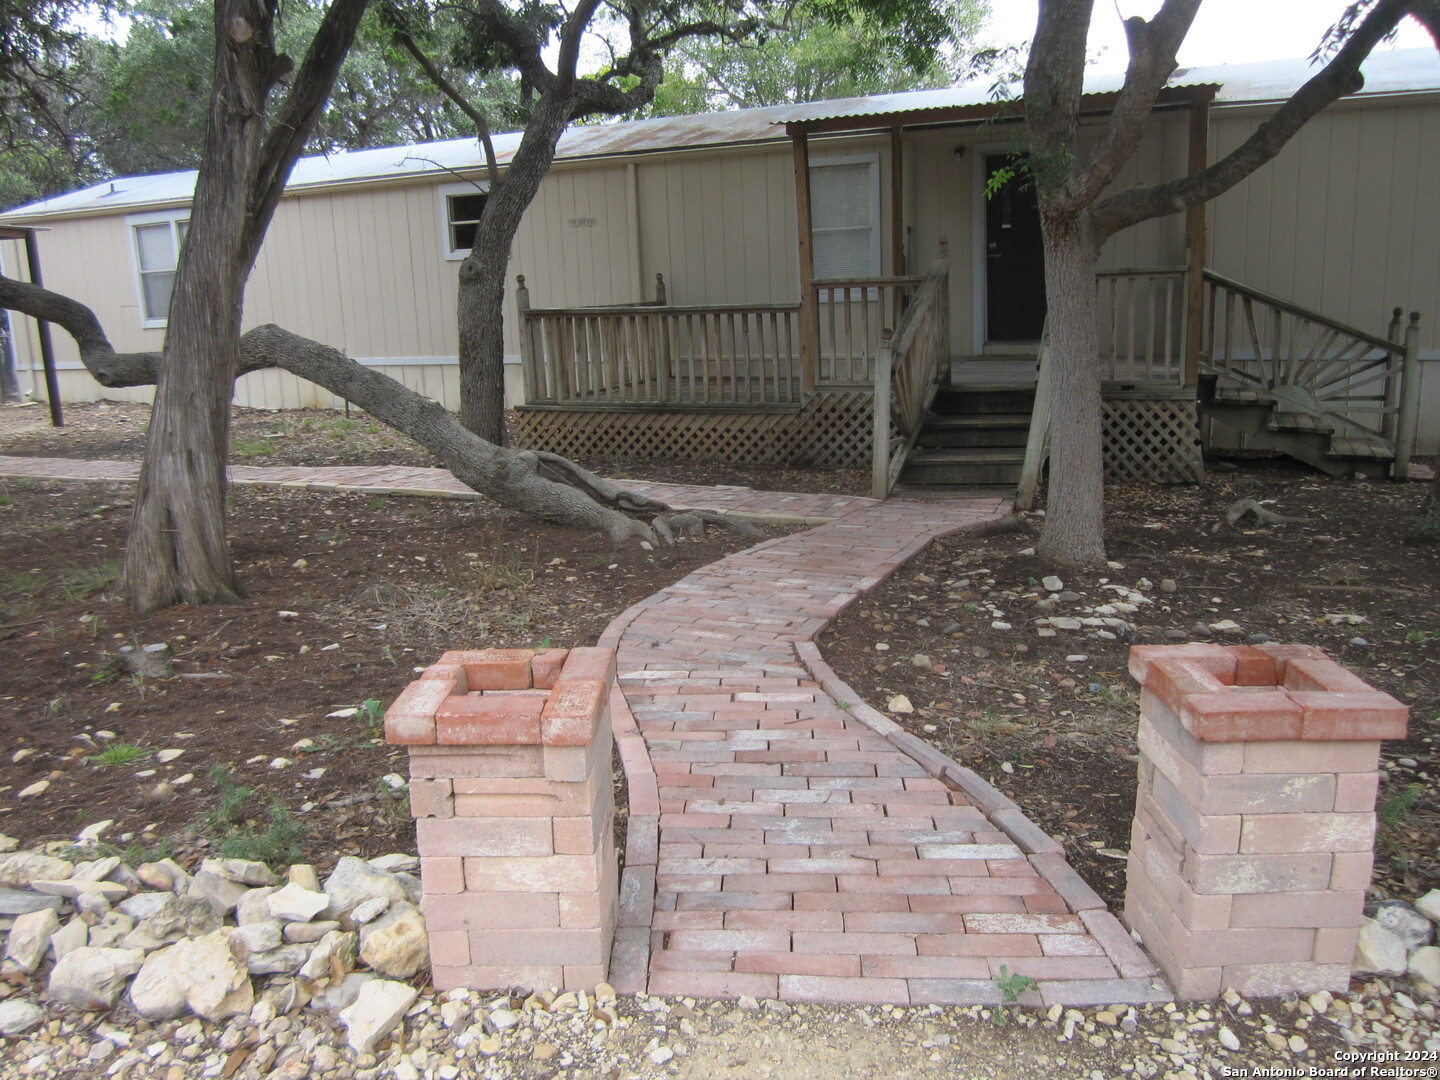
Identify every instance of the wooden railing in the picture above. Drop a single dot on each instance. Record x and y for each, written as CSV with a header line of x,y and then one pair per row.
x,y
1311,365
661,354
1142,325
909,368
852,315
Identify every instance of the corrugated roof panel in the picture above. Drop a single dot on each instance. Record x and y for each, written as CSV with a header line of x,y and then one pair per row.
x,y
1386,72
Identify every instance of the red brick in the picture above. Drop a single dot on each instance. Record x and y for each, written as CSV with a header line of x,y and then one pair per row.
x,y
494,669
1023,924
1266,833
1254,667
1336,944
1287,979
1070,945
527,837
729,941
1244,874
1311,757
410,719
545,667
1129,959
442,874
488,720
1286,910
687,920
590,663
1353,717
805,941
449,948
821,988
498,976
718,984
584,976
690,960
490,911
793,883
983,945
1055,967
850,901
552,945
1355,793
789,963
785,920
925,967
1352,870
458,761
431,798
1242,715
968,903
904,922
1173,681
557,873
1216,658
893,883
1320,673
729,901
574,709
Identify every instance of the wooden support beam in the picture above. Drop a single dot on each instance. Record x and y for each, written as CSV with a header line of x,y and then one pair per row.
x,y
1195,244
809,320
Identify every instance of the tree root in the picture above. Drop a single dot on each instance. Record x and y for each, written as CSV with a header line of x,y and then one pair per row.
x,y
1238,511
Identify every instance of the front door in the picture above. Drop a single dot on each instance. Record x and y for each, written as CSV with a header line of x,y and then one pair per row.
x,y
1014,258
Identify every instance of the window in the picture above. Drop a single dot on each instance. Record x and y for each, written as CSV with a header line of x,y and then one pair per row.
x,y
844,210
461,205
157,240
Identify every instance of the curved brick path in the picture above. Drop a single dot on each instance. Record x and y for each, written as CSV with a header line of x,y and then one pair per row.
x,y
786,840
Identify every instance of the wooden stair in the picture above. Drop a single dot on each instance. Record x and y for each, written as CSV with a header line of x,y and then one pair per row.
x,y
972,443
1270,423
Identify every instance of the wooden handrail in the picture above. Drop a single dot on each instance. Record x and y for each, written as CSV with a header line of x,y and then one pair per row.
x,y
1292,308
911,364
658,309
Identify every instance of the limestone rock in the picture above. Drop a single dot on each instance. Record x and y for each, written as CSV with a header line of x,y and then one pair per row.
x,y
19,901
29,940
222,893
295,903
281,960
1379,952
23,867
395,863
111,930
369,911
146,905
18,1017
1425,964
156,993
338,944
175,918
341,995
254,906
396,943
298,933
93,978
1405,922
259,937
352,883
76,887
211,972
75,934
303,874
155,876
95,869
242,871
1429,905
379,1007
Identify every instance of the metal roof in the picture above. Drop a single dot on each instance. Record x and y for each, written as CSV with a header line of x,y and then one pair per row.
x,y
1386,72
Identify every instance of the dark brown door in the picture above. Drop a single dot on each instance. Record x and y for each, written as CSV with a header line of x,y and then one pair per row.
x,y
1014,258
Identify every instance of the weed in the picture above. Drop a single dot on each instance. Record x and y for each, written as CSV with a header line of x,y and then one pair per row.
x,y
372,715
23,582
394,803
108,668
278,845
118,754
1011,987
233,798
379,502
81,582
56,705
337,429
1393,809
1421,637
6,500
248,448
137,854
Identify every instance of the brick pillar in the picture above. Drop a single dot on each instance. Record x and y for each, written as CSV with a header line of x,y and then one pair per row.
x,y
1254,825
511,789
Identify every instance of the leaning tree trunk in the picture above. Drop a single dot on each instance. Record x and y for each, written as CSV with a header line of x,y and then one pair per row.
x,y
1075,506
177,549
481,304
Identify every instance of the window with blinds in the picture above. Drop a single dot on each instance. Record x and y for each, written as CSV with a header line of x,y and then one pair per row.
x,y
157,254
461,206
844,215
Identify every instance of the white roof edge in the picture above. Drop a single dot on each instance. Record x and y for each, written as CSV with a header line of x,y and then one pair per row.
x,y
1389,74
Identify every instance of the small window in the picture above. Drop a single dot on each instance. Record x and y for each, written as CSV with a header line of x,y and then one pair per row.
x,y
843,211
462,205
157,253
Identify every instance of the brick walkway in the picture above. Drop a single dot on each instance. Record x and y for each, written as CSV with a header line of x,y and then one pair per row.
x,y
788,841
785,839
795,507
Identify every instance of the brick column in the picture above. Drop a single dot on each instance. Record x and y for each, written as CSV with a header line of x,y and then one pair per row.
x,y
1254,825
511,789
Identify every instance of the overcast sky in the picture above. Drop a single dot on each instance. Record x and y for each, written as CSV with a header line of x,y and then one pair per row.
x,y
1224,32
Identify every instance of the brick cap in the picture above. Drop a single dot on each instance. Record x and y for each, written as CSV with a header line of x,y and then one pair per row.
x,y
1266,693
505,697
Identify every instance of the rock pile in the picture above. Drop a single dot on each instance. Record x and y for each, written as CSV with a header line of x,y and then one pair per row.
x,y
1399,939
231,937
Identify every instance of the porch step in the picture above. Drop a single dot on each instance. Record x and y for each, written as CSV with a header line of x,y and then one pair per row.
x,y
1301,435
972,399
976,429
963,466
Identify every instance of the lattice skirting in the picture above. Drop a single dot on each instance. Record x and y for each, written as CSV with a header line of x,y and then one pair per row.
x,y
1153,441
831,430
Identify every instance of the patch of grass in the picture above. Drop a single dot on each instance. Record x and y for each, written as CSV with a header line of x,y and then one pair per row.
x,y
138,854
249,448
277,845
1394,809
85,581
6,500
338,429
118,754
231,805
108,668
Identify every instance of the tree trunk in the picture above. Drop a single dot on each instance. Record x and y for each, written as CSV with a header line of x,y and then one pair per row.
x,y
1075,506
177,549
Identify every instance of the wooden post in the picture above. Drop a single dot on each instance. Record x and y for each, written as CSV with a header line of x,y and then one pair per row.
x,y
1389,424
880,456
809,321
42,329
527,343
1409,399
897,214
660,289
1195,241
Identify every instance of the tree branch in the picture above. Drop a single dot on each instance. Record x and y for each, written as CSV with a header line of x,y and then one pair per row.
x,y
1339,77
446,87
